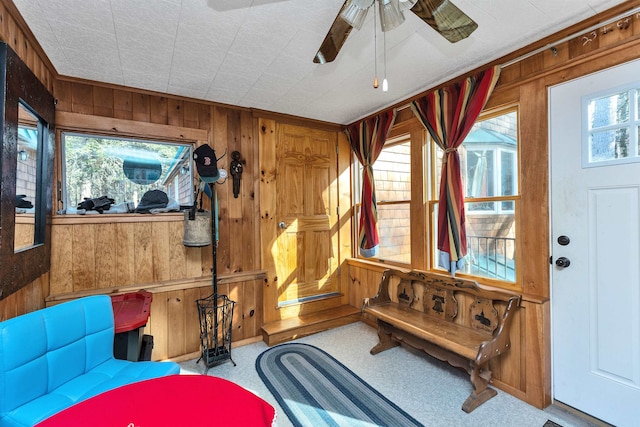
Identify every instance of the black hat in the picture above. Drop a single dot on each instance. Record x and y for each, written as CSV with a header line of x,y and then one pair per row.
x,y
206,163
152,199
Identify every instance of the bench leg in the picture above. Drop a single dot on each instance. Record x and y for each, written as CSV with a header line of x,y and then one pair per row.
x,y
480,377
386,342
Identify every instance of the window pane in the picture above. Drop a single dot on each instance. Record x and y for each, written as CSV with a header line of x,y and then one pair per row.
x,y
491,245
489,168
608,145
608,110
124,169
480,206
480,173
509,178
394,229
392,173
489,162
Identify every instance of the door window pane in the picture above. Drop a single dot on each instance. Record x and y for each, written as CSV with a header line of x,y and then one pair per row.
x,y
608,110
611,133
609,145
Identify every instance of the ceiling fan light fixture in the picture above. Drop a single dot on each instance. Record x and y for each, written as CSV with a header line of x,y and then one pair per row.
x,y
407,4
355,12
390,14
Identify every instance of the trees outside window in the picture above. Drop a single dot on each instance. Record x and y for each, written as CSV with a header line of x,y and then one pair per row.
x,y
124,169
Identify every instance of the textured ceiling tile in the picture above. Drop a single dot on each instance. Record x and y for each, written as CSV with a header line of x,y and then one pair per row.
x,y
260,52
198,82
258,98
201,14
232,81
136,40
94,14
274,83
225,95
81,59
146,63
107,75
143,80
291,67
158,16
250,68
84,39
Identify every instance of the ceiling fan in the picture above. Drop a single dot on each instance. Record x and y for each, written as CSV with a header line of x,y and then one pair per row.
x,y
441,15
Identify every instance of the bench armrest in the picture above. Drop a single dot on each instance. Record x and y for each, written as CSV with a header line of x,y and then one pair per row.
x,y
500,342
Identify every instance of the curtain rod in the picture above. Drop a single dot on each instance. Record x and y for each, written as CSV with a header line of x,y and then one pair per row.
x,y
571,36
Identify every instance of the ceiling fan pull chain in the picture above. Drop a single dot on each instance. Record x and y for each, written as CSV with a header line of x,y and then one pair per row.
x,y
385,84
375,51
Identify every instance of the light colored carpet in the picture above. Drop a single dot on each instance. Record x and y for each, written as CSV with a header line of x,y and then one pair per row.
x,y
429,390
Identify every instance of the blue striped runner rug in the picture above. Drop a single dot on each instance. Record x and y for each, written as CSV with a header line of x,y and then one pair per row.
x,y
314,389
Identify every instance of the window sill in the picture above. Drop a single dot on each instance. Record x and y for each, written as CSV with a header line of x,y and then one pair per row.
x,y
116,218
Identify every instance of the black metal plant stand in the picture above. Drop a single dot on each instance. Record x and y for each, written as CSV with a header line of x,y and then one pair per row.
x,y
215,312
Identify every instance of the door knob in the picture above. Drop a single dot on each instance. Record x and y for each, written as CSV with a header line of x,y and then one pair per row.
x,y
282,225
563,262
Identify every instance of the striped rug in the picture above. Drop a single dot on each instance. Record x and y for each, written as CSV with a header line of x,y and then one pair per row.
x,y
314,389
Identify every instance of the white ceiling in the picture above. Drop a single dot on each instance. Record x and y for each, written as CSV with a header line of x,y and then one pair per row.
x,y
259,53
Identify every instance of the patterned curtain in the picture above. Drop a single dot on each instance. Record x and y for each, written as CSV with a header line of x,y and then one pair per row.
x,y
448,114
367,139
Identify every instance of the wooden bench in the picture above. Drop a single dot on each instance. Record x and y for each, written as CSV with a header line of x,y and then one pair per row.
x,y
454,320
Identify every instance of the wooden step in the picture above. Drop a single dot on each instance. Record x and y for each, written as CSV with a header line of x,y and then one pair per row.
x,y
307,324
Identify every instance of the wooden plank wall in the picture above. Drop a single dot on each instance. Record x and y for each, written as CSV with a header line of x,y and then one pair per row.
x,y
106,254
15,33
525,371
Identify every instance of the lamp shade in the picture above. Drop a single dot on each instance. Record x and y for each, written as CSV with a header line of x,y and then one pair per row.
x,y
390,14
356,12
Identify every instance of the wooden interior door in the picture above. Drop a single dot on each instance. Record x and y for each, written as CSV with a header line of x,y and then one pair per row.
x,y
595,294
305,252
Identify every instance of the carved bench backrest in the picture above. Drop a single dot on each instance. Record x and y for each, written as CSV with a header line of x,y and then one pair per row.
x,y
438,296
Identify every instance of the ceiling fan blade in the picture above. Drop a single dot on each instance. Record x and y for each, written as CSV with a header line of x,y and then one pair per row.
x,y
445,17
334,39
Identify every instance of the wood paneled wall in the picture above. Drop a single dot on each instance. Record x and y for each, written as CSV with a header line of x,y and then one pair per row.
x,y
525,371
15,33
111,253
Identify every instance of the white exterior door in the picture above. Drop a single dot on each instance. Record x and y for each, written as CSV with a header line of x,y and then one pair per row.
x,y
595,203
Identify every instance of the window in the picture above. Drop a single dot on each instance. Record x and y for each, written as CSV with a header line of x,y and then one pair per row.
x,y
489,168
612,133
124,169
392,175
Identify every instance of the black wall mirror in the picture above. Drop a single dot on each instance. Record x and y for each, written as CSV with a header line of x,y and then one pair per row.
x,y
26,169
